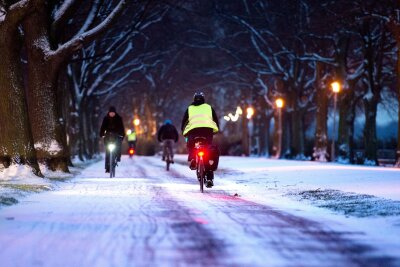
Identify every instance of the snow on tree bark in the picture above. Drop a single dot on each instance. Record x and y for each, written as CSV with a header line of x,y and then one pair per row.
x,y
16,142
320,152
44,65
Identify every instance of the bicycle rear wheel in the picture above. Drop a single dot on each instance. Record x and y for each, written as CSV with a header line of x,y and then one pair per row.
x,y
202,175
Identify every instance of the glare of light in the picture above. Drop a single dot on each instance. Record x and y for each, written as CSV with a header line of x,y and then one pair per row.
x,y
131,151
250,112
201,153
239,110
111,147
227,118
279,103
136,122
233,117
129,132
336,87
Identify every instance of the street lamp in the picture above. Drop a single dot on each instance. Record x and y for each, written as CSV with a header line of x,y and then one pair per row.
x,y
336,87
279,104
250,112
249,116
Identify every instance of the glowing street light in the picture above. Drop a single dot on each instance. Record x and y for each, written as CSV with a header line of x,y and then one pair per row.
x,y
279,104
250,112
336,87
136,122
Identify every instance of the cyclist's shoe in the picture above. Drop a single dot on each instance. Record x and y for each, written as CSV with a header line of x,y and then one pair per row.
x,y
209,183
107,171
192,165
163,158
172,161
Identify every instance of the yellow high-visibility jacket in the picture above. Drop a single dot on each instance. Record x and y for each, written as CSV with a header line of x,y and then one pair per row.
x,y
132,137
200,116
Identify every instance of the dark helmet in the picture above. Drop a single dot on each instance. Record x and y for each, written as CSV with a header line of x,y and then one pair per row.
x,y
167,121
199,96
111,109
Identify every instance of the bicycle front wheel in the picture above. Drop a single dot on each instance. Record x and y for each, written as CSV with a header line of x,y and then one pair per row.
x,y
112,165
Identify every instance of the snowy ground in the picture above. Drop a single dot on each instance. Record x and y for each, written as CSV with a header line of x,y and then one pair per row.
x,y
259,213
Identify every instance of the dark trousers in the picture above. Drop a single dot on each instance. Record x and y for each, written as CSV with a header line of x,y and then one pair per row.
x,y
198,132
132,144
168,144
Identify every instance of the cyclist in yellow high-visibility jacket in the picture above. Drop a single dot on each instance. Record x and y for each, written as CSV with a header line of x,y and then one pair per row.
x,y
200,120
131,136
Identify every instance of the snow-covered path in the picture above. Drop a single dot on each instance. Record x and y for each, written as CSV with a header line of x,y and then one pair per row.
x,y
149,217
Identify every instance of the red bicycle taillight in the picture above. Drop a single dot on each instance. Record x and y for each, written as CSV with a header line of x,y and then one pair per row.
x,y
200,153
131,151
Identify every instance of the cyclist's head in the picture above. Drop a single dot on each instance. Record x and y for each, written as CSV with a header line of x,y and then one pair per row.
x,y
199,97
167,122
111,111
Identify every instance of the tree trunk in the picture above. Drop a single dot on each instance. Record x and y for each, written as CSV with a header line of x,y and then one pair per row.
x,y
297,134
245,134
398,98
16,143
370,138
277,147
321,132
346,125
43,70
263,135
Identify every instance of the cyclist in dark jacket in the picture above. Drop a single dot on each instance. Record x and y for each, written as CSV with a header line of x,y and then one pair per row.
x,y
112,129
167,134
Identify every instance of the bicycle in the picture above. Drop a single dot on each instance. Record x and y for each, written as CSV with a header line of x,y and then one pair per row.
x,y
112,147
168,153
201,168
113,159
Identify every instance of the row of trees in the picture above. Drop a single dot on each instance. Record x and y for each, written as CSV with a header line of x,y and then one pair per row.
x,y
64,62
294,50
252,52
57,59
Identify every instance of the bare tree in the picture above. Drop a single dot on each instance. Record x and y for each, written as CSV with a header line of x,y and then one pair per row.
x,y
16,143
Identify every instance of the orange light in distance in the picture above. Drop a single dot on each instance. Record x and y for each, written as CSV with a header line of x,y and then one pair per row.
x,y
136,122
279,103
336,87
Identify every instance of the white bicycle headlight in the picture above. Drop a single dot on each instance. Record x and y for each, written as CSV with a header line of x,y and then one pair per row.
x,y
111,147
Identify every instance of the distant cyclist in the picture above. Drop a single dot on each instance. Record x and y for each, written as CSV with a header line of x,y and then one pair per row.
x,y
112,129
199,120
167,134
131,136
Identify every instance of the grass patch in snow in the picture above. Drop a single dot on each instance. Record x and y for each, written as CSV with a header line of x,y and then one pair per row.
x,y
7,201
350,204
36,188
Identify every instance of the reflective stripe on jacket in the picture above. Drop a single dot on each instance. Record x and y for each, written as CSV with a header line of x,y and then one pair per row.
x,y
131,137
199,117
